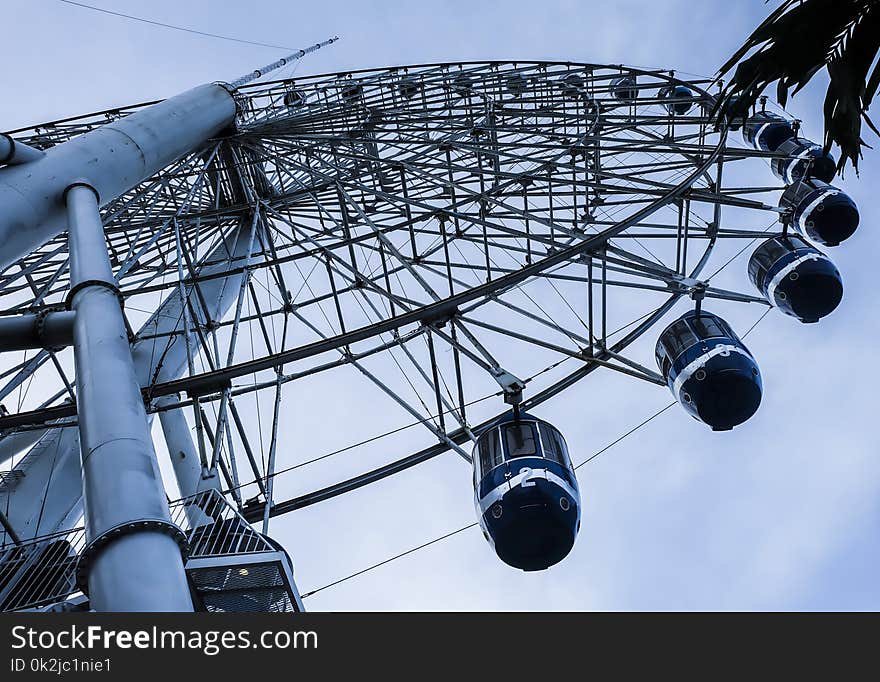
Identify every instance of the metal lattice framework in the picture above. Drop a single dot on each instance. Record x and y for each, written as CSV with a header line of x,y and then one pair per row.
x,y
445,233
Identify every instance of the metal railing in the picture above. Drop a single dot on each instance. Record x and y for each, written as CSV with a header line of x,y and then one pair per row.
x,y
215,528
39,571
42,571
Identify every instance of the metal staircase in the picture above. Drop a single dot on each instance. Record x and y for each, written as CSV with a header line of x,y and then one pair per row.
x,y
231,568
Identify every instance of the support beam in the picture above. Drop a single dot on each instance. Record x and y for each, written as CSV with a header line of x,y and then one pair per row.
x,y
36,330
7,527
53,464
13,152
133,560
114,157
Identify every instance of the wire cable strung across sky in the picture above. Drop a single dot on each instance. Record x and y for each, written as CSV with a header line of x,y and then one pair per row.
x,y
390,559
242,80
176,28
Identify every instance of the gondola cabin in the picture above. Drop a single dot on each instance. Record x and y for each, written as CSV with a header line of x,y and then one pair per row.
x,y
294,98
766,131
796,278
351,92
820,212
709,370
803,160
625,88
409,87
678,99
571,85
462,84
516,84
728,110
526,491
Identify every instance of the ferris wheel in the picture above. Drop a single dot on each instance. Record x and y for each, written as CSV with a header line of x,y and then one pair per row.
x,y
458,243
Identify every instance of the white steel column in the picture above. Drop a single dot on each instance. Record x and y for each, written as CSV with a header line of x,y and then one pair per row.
x,y
114,158
192,476
133,560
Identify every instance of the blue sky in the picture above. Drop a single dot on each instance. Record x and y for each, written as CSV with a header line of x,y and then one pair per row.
x,y
781,513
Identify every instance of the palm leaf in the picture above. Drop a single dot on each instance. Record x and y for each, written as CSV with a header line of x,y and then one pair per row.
x,y
797,40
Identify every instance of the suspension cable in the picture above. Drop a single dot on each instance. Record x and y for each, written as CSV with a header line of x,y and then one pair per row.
x,y
172,26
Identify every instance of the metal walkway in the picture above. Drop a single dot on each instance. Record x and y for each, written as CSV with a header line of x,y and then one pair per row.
x,y
230,566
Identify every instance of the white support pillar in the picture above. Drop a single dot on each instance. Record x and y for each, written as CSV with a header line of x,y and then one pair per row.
x,y
192,477
133,559
13,152
116,156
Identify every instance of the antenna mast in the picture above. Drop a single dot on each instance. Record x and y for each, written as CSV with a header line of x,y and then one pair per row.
x,y
289,59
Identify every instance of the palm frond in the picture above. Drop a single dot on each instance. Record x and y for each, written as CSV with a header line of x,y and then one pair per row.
x,y
797,40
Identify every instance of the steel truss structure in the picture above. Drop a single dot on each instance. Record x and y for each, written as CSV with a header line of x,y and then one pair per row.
x,y
438,234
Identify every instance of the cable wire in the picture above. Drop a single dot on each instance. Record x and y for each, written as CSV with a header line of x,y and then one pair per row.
x,y
172,26
628,433
390,559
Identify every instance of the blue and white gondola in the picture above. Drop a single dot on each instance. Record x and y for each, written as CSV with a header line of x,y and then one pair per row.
x,y
726,111
766,132
526,492
294,98
571,85
517,84
351,92
709,370
820,212
796,278
803,160
678,99
625,88
462,84
409,87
